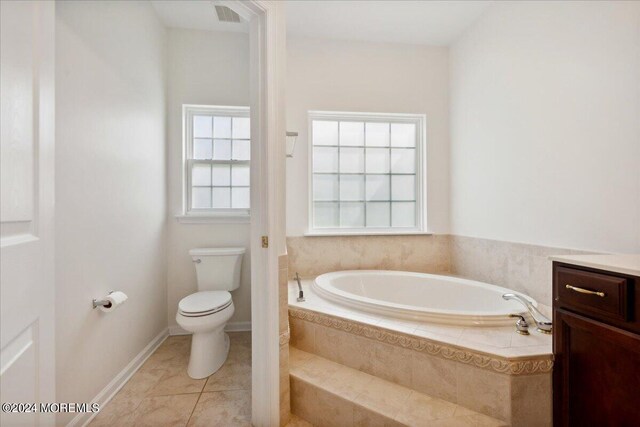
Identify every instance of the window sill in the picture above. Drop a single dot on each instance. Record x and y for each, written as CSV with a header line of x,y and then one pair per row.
x,y
213,219
366,233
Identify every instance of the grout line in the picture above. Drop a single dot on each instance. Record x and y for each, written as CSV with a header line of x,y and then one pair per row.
x,y
229,389
194,409
171,394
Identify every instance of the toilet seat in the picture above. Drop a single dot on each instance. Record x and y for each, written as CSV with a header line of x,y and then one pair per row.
x,y
204,303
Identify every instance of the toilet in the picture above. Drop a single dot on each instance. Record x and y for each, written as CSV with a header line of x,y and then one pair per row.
x,y
206,312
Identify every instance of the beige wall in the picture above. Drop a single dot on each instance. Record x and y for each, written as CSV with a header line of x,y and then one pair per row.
x,y
352,76
208,68
110,190
545,125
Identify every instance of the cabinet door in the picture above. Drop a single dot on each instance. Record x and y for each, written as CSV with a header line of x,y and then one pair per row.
x,y
596,373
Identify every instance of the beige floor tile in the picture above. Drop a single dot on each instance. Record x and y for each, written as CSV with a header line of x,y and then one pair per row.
x,y
296,421
383,397
461,421
173,352
239,352
142,382
480,420
177,381
363,417
420,408
241,337
165,411
234,375
117,412
224,409
472,419
461,411
162,394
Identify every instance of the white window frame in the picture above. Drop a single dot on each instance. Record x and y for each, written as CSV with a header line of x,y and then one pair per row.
x,y
214,215
421,172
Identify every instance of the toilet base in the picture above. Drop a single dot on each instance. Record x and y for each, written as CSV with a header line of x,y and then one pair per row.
x,y
209,351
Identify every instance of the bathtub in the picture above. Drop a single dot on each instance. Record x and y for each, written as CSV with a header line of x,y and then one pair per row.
x,y
418,296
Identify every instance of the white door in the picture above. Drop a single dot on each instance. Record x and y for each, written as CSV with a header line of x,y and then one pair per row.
x,y
27,350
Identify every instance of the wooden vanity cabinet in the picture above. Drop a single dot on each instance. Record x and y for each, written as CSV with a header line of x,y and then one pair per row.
x,y
596,346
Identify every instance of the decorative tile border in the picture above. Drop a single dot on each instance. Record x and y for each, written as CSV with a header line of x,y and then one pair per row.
x,y
535,365
284,338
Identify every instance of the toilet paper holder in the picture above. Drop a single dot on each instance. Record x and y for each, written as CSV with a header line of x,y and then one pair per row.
x,y
102,302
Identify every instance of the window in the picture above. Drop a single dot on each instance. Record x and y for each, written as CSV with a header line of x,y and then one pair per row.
x,y
217,153
366,173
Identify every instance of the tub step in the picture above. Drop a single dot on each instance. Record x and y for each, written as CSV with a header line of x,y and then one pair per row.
x,y
326,393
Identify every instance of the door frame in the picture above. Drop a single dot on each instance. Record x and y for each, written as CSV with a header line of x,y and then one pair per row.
x,y
267,70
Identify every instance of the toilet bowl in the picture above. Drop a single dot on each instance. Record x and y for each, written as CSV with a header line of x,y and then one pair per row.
x,y
206,318
205,313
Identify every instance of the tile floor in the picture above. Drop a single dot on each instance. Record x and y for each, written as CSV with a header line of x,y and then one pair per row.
x,y
162,394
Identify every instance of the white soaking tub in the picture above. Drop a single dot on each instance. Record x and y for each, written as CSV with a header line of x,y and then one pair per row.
x,y
419,296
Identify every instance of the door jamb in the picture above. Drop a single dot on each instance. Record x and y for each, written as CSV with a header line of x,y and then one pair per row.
x,y
267,59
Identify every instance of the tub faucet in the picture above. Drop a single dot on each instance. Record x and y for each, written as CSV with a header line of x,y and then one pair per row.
x,y
300,293
522,327
543,324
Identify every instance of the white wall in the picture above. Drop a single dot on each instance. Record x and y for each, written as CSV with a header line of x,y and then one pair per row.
x,y
369,77
110,189
545,125
209,68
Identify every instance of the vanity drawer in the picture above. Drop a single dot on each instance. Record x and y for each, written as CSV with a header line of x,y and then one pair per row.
x,y
597,294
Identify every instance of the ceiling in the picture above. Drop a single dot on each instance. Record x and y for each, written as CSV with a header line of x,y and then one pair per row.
x,y
400,21
194,15
395,21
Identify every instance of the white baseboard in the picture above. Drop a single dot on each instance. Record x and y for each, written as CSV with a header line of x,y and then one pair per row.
x,y
177,330
107,393
231,327
238,326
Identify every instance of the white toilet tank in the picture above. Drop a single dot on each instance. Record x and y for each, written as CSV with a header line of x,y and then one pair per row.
x,y
217,269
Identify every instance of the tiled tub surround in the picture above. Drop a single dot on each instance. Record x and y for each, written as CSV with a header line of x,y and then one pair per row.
x,y
523,268
493,371
331,394
285,403
312,256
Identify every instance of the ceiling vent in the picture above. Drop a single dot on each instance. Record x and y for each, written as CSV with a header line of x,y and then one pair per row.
x,y
225,14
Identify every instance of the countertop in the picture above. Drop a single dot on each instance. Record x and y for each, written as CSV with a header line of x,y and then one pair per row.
x,y
621,263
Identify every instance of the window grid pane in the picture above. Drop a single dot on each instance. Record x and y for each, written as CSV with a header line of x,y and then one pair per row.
x,y
218,167
366,185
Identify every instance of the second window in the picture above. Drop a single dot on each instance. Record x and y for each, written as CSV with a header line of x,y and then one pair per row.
x,y
366,172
